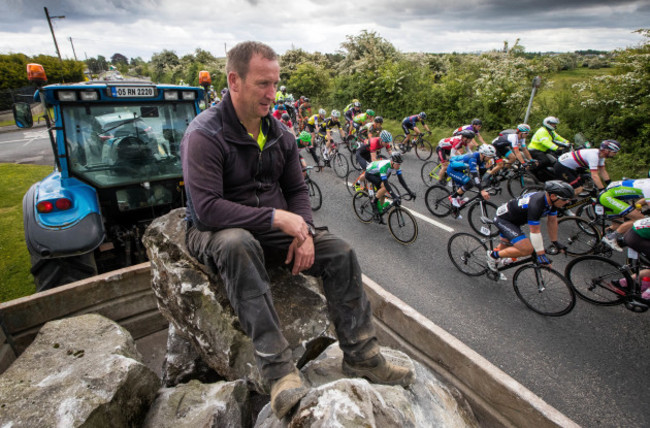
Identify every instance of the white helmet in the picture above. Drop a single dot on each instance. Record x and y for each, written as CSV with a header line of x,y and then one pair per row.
x,y
322,112
551,123
487,150
336,113
283,88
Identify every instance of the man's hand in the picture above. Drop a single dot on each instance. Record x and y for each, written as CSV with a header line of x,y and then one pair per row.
x,y
302,255
291,224
485,194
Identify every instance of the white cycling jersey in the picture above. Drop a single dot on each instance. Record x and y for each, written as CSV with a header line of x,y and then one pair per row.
x,y
583,158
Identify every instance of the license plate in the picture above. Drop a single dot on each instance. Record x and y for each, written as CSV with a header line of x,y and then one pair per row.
x,y
133,91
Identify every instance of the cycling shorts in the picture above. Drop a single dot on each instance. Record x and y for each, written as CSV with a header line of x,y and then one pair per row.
x,y
613,200
567,174
636,242
508,230
311,127
407,126
374,179
443,155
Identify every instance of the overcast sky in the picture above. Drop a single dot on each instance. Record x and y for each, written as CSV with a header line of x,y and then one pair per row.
x,y
143,27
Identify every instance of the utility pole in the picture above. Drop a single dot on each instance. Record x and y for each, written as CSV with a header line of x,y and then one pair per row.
x,y
73,51
536,82
49,21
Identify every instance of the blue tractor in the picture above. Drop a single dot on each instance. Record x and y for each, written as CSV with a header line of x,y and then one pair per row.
x,y
117,167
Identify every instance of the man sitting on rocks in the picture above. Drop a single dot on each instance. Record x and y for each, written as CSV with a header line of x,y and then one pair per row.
x,y
247,203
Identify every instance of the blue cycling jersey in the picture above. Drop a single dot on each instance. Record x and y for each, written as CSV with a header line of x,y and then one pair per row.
x,y
472,161
412,120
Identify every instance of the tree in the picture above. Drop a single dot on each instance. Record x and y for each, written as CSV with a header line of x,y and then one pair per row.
x,y
367,51
118,58
13,71
164,63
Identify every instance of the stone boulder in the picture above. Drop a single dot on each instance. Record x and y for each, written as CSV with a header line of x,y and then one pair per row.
x,y
81,371
335,400
195,301
194,404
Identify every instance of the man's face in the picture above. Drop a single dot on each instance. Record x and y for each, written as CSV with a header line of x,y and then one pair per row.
x,y
254,95
477,127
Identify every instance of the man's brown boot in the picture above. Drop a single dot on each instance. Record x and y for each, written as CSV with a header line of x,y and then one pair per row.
x,y
286,392
378,370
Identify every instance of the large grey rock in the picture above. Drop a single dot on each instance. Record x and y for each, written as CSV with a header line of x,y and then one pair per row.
x,y
81,371
194,404
335,400
196,302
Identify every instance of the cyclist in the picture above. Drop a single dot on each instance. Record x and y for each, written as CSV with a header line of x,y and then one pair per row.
x,y
450,147
638,238
569,166
280,109
372,129
326,128
281,95
546,140
529,209
349,113
314,122
459,166
475,127
361,119
285,119
367,153
511,143
409,124
378,173
614,198
304,111
304,141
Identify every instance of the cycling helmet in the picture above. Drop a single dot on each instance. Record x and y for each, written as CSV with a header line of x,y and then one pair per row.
x,y
302,98
336,113
354,101
422,115
379,119
396,157
523,128
386,136
487,150
281,107
611,145
322,112
305,136
357,104
477,122
559,188
370,112
551,122
306,99
283,88
223,92
467,133
286,117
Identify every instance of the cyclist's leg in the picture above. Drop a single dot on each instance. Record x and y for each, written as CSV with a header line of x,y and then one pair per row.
x,y
514,243
407,133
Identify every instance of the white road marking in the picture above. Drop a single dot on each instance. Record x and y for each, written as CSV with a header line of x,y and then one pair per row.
x,y
430,221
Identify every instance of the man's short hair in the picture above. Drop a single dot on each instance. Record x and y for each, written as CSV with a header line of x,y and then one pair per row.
x,y
239,57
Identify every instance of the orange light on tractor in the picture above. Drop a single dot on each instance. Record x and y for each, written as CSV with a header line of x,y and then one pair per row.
x,y
36,73
204,78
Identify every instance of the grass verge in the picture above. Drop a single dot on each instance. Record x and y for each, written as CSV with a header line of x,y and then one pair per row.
x,y
15,180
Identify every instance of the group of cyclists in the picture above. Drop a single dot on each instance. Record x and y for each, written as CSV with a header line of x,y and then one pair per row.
x,y
470,162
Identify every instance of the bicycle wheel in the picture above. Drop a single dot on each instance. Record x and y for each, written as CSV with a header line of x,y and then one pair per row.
x,y
437,201
544,290
362,205
315,195
430,172
402,225
591,277
398,141
579,235
423,150
468,253
531,189
350,179
520,180
339,165
354,162
474,216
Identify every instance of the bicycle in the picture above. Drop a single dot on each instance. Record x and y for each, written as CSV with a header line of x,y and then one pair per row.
x,y
315,195
594,279
541,288
423,148
401,223
336,160
438,202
